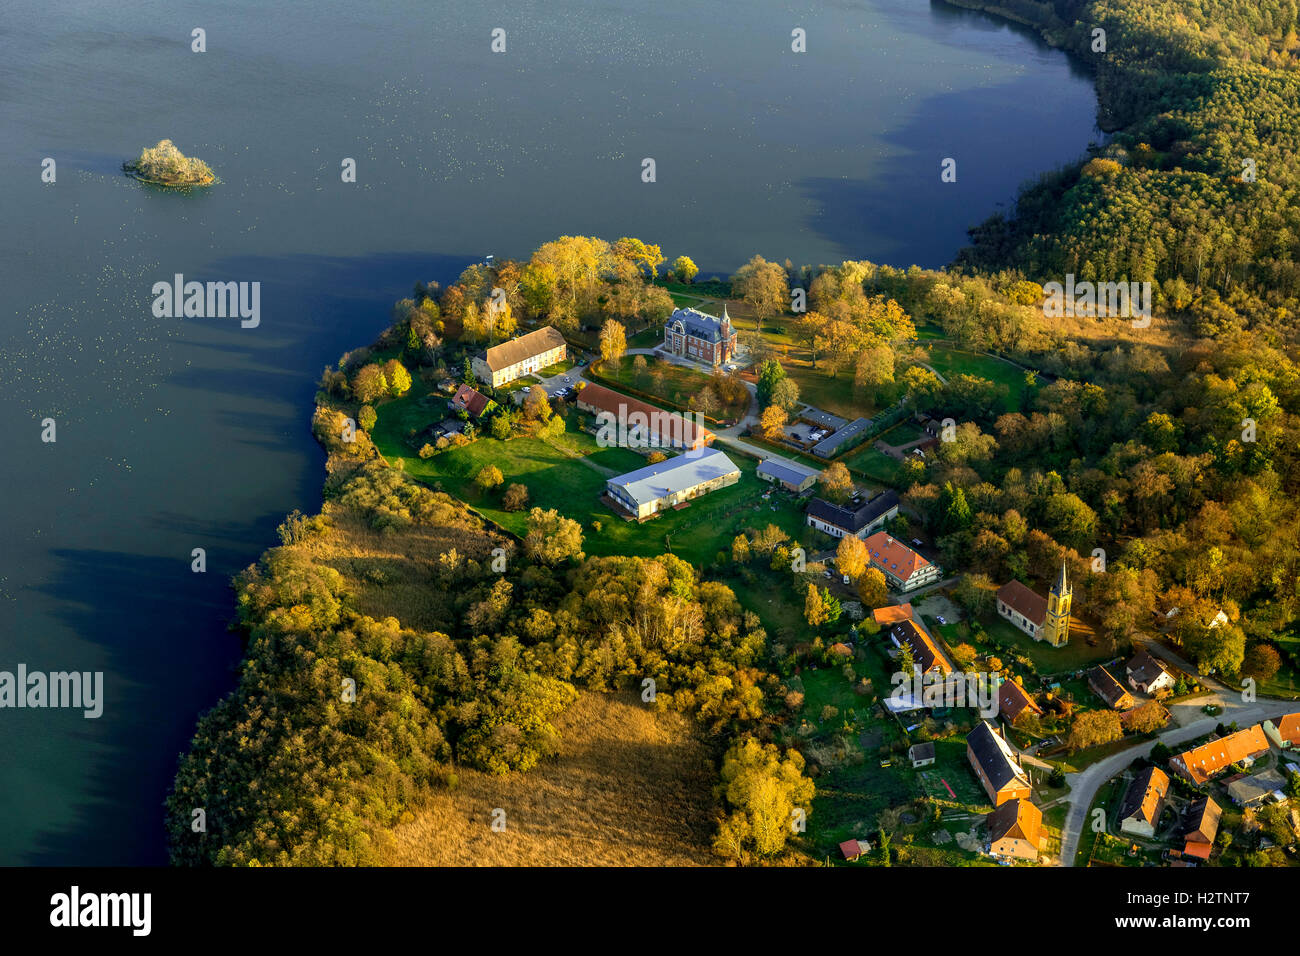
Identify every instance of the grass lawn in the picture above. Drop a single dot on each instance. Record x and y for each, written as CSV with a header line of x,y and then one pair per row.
x,y
1286,682
1073,656
650,338
680,384
561,475
564,365
950,361
873,464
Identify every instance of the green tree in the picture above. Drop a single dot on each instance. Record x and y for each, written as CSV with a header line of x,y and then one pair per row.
x,y
398,378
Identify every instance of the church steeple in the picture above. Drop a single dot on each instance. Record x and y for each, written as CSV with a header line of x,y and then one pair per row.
x,y
1062,585
1056,626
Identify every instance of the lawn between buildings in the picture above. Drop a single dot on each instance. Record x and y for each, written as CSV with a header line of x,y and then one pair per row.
x,y
568,474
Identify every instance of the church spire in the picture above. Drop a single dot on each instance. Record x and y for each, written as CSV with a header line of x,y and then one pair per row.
x,y
1061,584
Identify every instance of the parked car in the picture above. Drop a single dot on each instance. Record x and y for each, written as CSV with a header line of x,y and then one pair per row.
x,y
917,542
826,574
941,619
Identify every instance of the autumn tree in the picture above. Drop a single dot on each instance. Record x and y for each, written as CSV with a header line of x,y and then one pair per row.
x,y
488,477
786,394
684,269
836,482
761,285
771,424
515,498
873,590
851,556
369,384
762,789
1148,718
1092,728
613,340
814,608
552,538
398,378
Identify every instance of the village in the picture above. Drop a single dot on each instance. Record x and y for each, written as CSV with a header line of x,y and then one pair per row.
x,y
1042,744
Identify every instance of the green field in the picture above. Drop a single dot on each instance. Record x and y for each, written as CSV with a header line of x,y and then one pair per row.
x,y
680,384
873,464
950,361
569,474
1076,654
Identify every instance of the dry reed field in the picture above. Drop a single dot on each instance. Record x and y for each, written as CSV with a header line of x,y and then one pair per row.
x,y
629,787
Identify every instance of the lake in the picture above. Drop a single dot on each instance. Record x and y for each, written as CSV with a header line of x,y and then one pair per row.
x,y
177,434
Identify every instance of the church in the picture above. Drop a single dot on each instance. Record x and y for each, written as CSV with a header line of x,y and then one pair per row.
x,y
1042,619
700,336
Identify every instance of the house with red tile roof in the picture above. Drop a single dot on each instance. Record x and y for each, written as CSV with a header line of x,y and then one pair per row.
x,y
1140,812
1200,826
1015,830
474,402
902,567
1201,763
892,614
1285,734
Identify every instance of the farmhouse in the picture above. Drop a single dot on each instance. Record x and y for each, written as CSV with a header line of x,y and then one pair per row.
x,y
903,568
1043,619
792,477
1200,826
1147,674
649,490
700,336
640,424
925,654
1015,830
471,401
1201,763
1145,798
1110,690
996,765
858,517
1014,702
502,364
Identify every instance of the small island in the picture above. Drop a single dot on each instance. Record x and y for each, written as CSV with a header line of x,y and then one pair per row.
x,y
165,165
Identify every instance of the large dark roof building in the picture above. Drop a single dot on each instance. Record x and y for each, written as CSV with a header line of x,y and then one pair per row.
x,y
698,335
859,517
997,765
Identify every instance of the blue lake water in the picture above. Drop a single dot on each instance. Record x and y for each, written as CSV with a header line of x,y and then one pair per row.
x,y
177,434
